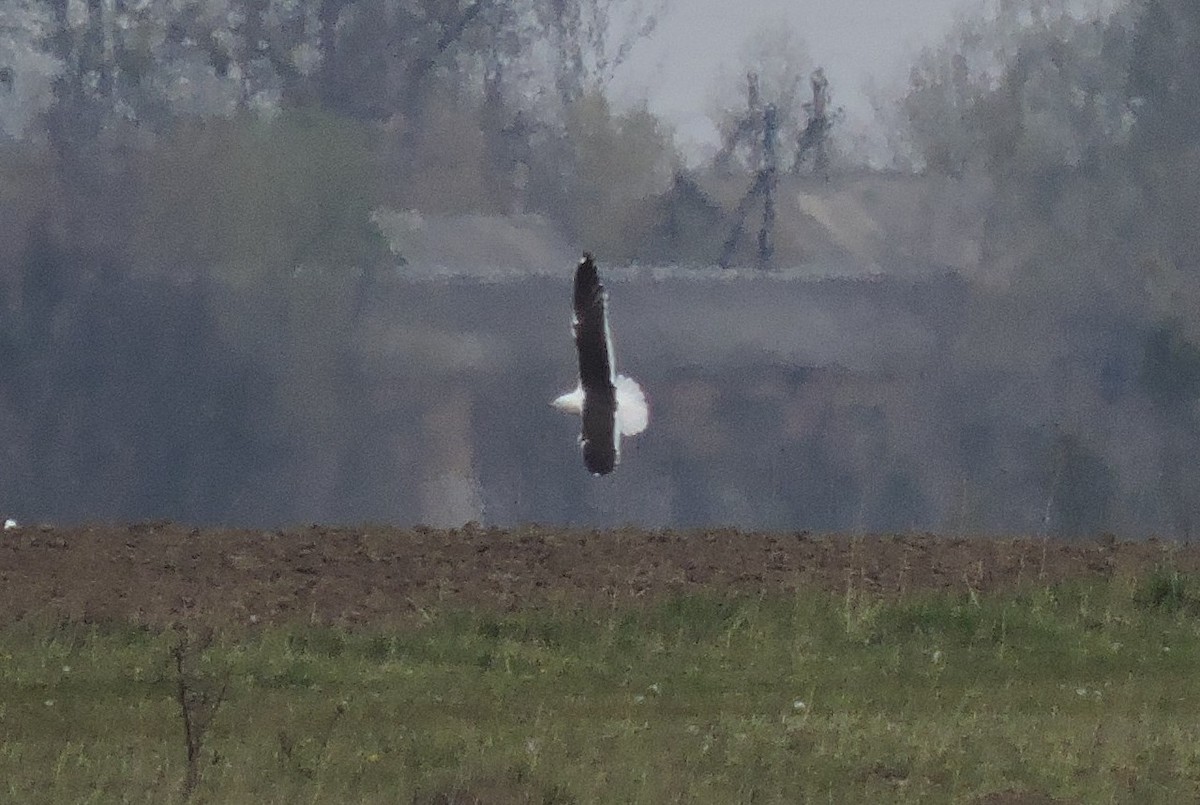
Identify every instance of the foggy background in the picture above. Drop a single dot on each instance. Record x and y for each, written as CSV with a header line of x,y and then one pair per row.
x,y
275,261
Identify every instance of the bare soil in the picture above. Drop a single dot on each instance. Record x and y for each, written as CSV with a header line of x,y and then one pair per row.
x,y
160,573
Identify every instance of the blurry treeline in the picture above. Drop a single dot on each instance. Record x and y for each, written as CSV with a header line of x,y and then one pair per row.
x,y
1083,134
309,111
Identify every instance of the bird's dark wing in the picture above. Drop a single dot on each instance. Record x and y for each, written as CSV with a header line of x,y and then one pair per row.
x,y
599,437
591,329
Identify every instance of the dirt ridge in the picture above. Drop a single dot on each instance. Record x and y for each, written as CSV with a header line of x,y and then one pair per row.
x,y
160,572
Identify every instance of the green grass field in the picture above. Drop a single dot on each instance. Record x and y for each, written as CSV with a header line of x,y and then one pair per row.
x,y
1087,693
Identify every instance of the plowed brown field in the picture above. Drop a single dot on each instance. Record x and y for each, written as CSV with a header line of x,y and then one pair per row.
x,y
157,573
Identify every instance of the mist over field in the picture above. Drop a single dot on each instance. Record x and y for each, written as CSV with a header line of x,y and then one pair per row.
x,y
275,261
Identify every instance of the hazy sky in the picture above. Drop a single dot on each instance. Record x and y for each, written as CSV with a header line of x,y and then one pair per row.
x,y
853,39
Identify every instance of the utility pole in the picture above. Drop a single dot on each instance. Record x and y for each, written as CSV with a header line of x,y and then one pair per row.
x,y
748,127
816,134
763,187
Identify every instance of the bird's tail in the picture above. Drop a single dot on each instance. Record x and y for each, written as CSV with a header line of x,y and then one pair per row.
x,y
633,414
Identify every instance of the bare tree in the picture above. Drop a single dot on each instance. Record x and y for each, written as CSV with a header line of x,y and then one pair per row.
x,y
199,699
590,39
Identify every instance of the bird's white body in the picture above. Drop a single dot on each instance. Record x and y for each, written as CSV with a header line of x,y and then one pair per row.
x,y
633,414
571,402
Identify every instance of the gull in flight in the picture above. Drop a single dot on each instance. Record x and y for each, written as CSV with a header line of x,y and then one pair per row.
x,y
611,405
